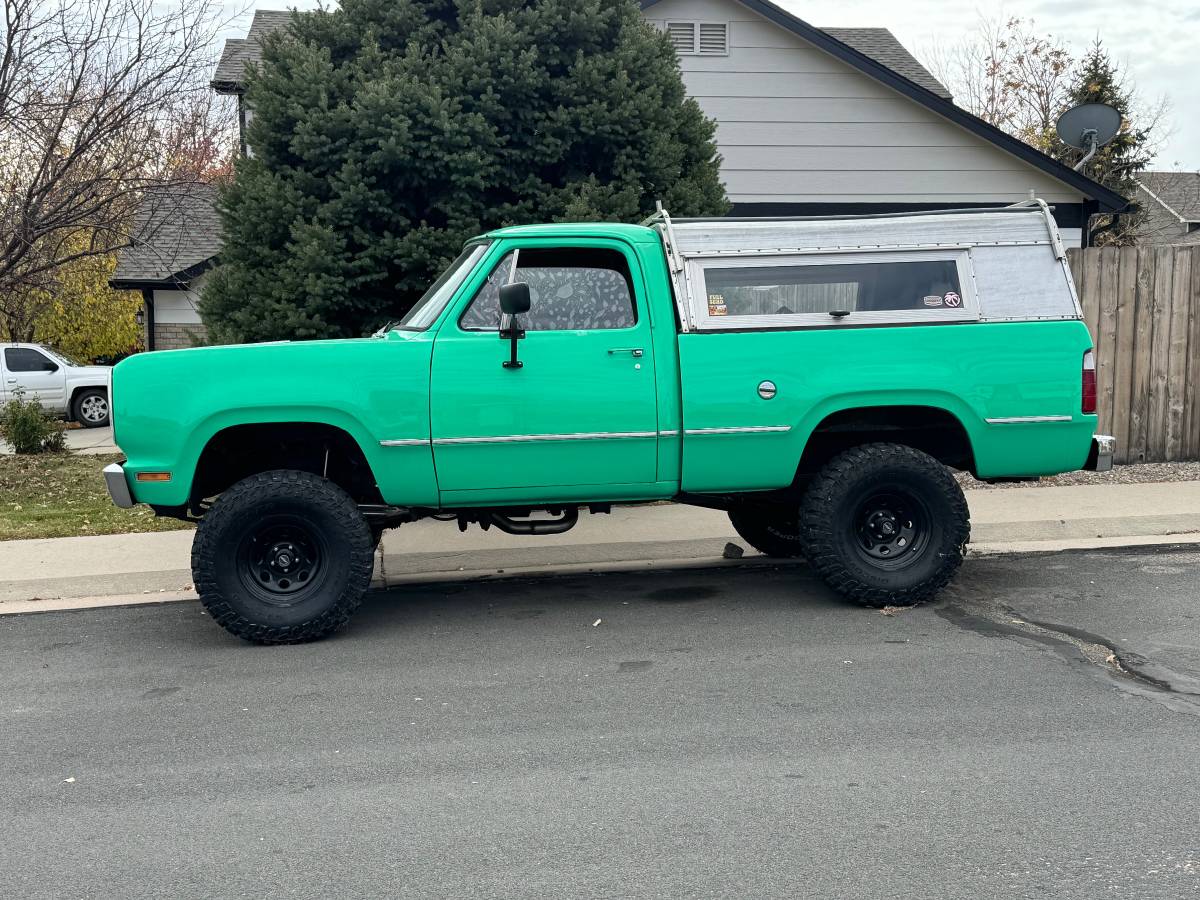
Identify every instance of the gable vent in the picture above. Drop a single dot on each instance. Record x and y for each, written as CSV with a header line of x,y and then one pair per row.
x,y
714,38
683,36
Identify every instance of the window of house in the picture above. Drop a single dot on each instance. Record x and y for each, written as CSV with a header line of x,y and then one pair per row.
x,y
699,38
861,288
570,289
21,359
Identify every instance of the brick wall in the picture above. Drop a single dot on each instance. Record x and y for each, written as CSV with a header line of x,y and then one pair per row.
x,y
176,337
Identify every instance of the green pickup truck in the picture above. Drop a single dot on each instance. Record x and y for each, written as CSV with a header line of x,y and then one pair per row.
x,y
816,378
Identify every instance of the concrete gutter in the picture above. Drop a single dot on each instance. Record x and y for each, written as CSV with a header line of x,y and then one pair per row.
x,y
152,568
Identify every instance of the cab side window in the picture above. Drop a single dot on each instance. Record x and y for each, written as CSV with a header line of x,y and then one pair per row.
x,y
21,359
570,289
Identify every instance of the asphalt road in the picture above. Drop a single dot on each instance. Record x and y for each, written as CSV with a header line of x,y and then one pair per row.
x,y
731,733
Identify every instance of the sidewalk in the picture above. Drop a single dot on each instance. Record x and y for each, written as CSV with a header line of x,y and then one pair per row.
x,y
88,441
151,567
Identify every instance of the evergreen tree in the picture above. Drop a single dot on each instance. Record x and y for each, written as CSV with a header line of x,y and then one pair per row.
x,y
387,132
1098,79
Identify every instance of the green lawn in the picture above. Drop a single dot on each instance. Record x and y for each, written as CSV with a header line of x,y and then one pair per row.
x,y
63,495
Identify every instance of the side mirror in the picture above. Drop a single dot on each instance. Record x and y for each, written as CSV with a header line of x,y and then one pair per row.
x,y
49,367
514,301
514,298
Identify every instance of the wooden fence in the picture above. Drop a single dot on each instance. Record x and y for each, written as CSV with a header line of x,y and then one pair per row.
x,y
1142,305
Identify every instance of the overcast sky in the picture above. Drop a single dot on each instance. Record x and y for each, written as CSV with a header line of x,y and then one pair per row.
x,y
1157,43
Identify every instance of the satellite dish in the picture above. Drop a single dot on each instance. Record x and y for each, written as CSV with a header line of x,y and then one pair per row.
x,y
1089,127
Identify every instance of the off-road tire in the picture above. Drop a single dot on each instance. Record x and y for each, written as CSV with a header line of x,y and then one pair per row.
x,y
774,531
835,537
297,500
93,395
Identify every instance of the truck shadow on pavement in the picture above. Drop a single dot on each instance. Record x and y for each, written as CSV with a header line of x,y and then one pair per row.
x,y
585,598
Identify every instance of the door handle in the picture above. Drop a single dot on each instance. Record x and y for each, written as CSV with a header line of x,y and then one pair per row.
x,y
632,351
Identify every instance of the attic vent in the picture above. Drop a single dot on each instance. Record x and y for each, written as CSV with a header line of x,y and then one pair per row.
x,y
683,36
714,38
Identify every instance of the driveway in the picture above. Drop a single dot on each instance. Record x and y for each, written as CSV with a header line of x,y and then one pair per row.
x,y
83,440
704,733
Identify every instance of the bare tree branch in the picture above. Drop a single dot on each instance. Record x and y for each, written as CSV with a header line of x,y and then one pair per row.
x,y
101,103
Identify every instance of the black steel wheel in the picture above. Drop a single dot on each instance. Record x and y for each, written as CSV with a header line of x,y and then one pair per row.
x,y
773,530
885,524
282,557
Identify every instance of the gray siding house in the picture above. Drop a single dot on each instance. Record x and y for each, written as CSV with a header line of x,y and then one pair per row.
x,y
810,121
843,120
1171,202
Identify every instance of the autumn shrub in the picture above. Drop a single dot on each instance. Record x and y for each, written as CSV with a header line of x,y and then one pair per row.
x,y
27,427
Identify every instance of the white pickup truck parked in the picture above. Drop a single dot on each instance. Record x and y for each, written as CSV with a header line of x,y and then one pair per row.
x,y
61,385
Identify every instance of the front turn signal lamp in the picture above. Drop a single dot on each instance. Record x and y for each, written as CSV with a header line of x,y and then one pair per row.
x,y
154,476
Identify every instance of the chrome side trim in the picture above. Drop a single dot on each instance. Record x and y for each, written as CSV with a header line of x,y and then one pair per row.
x,y
405,442
1026,420
749,429
526,438
669,432
118,486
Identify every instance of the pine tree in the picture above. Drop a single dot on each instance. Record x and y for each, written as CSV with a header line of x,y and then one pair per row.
x,y
387,132
1098,79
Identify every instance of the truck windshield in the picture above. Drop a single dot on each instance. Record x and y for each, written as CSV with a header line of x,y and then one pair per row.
x,y
426,310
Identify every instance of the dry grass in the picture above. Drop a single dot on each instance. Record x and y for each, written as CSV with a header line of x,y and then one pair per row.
x,y
63,495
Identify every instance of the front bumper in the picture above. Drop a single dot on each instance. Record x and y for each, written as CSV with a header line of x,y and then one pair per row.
x,y
1100,457
118,486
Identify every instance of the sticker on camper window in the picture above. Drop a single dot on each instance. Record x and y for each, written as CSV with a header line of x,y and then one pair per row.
x,y
716,305
952,300
932,300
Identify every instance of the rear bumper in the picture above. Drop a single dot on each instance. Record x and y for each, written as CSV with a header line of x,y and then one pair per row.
x,y
1100,457
118,486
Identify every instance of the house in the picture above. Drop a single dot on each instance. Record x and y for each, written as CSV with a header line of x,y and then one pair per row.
x,y
1171,202
177,238
815,121
844,120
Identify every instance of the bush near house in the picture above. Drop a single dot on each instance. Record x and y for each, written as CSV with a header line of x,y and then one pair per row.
x,y
387,132
27,427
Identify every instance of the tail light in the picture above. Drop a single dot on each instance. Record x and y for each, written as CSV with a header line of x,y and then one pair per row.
x,y
1089,383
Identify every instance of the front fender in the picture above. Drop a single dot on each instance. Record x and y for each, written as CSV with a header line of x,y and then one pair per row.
x,y
168,406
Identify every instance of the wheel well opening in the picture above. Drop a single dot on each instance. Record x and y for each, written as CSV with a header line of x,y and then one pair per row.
x,y
244,450
929,429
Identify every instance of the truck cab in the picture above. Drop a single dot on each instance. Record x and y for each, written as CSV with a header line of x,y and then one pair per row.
x,y
817,378
59,384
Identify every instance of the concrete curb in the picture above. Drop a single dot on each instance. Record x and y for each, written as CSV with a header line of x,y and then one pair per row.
x,y
633,563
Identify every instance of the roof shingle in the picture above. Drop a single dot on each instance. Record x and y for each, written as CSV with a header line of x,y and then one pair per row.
x,y
176,229
883,47
1178,191
237,52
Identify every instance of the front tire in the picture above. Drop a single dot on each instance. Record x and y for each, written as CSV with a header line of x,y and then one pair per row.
x,y
91,408
282,557
774,531
885,524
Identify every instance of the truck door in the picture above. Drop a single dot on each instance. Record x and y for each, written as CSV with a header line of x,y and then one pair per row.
x,y
40,377
578,418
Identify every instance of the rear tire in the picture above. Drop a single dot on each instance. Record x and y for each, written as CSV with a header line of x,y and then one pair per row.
x,y
773,530
90,408
885,524
282,557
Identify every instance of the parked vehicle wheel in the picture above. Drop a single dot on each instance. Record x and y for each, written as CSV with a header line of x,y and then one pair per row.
x,y
282,557
885,524
773,530
91,408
